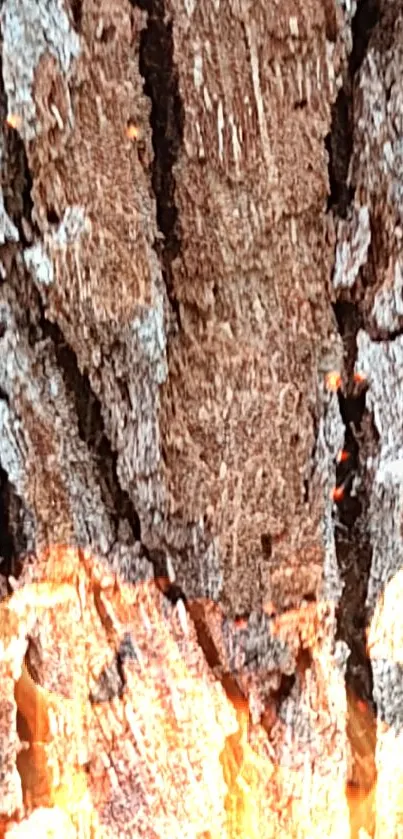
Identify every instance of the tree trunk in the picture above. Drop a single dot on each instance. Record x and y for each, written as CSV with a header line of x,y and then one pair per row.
x,y
200,221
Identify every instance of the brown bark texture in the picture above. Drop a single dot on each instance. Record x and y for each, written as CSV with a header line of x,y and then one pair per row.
x,y
200,219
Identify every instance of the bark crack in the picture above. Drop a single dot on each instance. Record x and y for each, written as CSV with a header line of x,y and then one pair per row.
x,y
7,546
353,545
92,430
161,85
339,142
16,183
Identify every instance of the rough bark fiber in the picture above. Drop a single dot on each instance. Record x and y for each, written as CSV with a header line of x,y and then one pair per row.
x,y
180,185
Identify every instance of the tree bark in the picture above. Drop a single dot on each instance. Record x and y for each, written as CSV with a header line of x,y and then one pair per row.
x,y
199,222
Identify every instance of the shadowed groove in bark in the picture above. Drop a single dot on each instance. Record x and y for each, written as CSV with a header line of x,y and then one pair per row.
x,y
76,7
352,544
353,547
365,18
91,429
17,186
161,85
7,547
354,557
339,142
15,179
352,541
15,524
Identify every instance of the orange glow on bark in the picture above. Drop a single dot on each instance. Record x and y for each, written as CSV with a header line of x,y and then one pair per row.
x,y
333,381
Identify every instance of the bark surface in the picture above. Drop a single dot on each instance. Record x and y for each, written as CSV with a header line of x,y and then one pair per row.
x,y
199,220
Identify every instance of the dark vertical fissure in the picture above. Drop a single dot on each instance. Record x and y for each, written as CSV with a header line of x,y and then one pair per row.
x,y
92,430
161,85
339,142
16,186
16,182
354,557
352,543
7,545
353,547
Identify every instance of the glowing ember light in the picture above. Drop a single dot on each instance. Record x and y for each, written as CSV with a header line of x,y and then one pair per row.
x,y
247,774
342,456
173,716
360,379
269,608
333,381
133,131
238,780
44,822
337,493
14,121
241,623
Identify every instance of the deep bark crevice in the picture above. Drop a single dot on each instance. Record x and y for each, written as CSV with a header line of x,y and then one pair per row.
x,y
17,187
161,85
365,18
352,542
339,145
354,557
339,141
91,429
76,7
7,546
16,180
353,546
13,538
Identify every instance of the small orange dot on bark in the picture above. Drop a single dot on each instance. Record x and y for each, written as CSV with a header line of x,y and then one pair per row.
x,y
333,381
133,131
241,623
337,493
14,121
269,609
